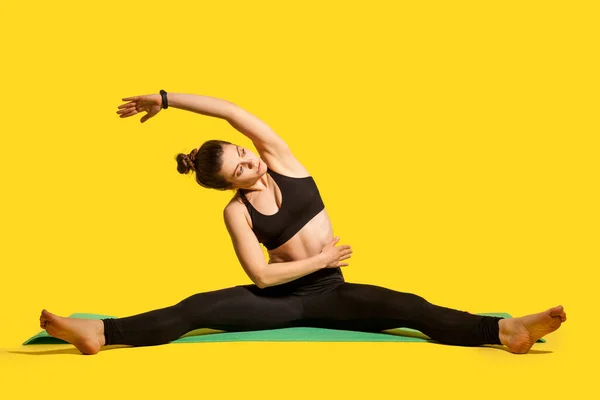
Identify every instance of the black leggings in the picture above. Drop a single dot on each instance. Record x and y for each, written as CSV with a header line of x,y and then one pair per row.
x,y
348,306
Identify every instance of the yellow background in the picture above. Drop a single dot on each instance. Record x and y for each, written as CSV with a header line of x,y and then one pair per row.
x,y
455,145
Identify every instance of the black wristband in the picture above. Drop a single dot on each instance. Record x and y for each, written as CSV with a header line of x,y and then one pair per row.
x,y
165,102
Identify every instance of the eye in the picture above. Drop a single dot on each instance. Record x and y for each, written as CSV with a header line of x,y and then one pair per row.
x,y
241,170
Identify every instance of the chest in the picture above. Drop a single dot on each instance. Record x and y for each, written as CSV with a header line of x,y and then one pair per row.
x,y
269,202
285,200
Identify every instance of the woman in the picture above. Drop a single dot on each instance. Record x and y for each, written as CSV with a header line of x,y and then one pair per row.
x,y
277,203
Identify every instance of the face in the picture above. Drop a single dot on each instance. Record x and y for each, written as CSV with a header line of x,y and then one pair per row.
x,y
241,166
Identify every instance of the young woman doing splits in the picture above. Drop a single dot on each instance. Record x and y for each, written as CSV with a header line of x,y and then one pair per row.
x,y
277,203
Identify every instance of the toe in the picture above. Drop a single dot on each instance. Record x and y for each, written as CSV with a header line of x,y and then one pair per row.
x,y
47,315
556,322
556,311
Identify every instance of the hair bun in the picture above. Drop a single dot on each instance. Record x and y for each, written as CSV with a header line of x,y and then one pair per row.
x,y
189,164
192,155
189,160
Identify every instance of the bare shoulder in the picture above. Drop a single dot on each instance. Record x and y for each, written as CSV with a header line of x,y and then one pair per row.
x,y
272,148
236,209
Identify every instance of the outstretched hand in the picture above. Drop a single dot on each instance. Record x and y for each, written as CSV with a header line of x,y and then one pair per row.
x,y
150,103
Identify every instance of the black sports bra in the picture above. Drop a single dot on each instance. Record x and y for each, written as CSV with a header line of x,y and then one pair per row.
x,y
300,202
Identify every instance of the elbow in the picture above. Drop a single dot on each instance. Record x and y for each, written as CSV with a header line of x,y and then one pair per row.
x,y
261,281
231,111
260,284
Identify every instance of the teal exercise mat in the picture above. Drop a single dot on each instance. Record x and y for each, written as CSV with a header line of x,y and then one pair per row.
x,y
299,334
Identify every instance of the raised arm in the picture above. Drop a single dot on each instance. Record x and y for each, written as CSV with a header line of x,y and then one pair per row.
x,y
270,146
205,105
261,135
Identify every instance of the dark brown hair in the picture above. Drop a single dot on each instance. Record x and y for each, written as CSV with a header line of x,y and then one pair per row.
x,y
206,162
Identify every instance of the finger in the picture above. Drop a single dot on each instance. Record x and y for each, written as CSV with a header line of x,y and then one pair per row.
x,y
129,114
131,104
145,118
133,98
126,110
345,257
343,265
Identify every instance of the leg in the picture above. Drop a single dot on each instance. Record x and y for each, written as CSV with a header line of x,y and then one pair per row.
x,y
240,308
373,308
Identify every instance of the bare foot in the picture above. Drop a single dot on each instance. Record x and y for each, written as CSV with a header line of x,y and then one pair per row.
x,y
519,334
85,334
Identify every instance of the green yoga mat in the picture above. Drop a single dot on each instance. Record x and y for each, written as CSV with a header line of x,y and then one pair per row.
x,y
276,335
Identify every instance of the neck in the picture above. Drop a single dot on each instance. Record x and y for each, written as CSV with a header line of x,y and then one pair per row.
x,y
261,184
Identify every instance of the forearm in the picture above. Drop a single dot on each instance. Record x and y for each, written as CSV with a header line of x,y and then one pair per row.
x,y
205,105
283,272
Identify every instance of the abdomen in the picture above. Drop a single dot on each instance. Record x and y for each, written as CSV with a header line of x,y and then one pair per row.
x,y
307,242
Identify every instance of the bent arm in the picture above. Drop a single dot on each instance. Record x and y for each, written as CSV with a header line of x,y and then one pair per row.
x,y
283,272
247,248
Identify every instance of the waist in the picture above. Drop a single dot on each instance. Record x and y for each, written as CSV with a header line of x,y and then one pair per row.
x,y
319,281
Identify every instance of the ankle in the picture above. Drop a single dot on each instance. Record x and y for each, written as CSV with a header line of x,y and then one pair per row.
x,y
504,330
100,332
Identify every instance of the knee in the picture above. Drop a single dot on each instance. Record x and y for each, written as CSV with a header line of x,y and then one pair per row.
x,y
415,300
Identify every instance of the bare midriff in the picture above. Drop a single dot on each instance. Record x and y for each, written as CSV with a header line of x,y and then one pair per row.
x,y
307,242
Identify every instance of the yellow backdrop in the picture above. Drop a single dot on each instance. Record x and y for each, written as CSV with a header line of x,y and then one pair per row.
x,y
455,145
